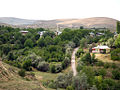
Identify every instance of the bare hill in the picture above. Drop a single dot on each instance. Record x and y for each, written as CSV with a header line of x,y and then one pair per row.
x,y
97,22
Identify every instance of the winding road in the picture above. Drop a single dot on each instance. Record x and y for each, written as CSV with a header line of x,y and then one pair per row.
x,y
73,66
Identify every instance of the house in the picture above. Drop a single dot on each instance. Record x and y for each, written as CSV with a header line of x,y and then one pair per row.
x,y
58,32
91,34
99,34
24,32
41,33
101,49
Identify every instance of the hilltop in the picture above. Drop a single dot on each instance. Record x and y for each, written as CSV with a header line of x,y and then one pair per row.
x,y
97,22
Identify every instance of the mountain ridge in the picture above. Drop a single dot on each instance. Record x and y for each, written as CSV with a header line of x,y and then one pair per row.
x,y
97,22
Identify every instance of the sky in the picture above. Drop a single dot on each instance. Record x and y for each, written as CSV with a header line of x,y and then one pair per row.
x,y
59,9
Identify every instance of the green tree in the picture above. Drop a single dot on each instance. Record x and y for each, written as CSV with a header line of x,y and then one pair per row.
x,y
83,43
117,42
52,69
118,27
27,64
48,40
28,43
43,66
41,42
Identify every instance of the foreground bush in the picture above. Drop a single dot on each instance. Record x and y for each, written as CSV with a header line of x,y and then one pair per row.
x,y
22,73
115,54
116,74
43,66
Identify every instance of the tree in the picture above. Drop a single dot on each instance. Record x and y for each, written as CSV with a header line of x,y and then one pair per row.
x,y
52,69
37,36
48,40
11,56
6,48
116,74
28,43
79,52
80,82
83,43
81,27
76,41
110,42
115,54
117,42
27,64
118,27
43,66
41,42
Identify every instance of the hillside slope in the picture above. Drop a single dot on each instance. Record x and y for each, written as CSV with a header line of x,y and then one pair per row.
x,y
97,22
10,80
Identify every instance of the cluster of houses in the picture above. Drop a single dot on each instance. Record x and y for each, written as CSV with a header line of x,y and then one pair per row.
x,y
97,49
40,33
97,34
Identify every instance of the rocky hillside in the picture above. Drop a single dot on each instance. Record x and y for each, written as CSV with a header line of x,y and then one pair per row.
x,y
97,22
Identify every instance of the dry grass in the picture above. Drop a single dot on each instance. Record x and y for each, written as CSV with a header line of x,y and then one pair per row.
x,y
10,80
105,58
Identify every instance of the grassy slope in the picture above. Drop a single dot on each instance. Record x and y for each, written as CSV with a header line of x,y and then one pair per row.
x,y
10,80
13,81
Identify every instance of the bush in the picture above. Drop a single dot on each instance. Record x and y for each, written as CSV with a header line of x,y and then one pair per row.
x,y
116,74
107,65
113,66
79,52
58,68
22,73
100,63
66,62
52,69
27,64
43,66
102,72
28,43
115,54
70,88
108,84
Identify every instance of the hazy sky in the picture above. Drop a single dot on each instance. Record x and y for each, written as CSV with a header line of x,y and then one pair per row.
x,y
59,9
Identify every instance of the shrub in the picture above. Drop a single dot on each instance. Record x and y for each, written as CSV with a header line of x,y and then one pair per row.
x,y
66,62
58,68
79,52
70,88
115,54
22,73
116,74
113,66
102,72
28,43
100,63
27,64
52,69
108,84
43,66
107,65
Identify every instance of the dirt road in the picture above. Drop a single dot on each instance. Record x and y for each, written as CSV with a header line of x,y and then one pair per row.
x,y
73,66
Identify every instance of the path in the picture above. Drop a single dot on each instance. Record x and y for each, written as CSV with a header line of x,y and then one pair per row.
x,y
73,61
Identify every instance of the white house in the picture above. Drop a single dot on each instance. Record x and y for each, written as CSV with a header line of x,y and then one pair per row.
x,y
101,49
41,33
